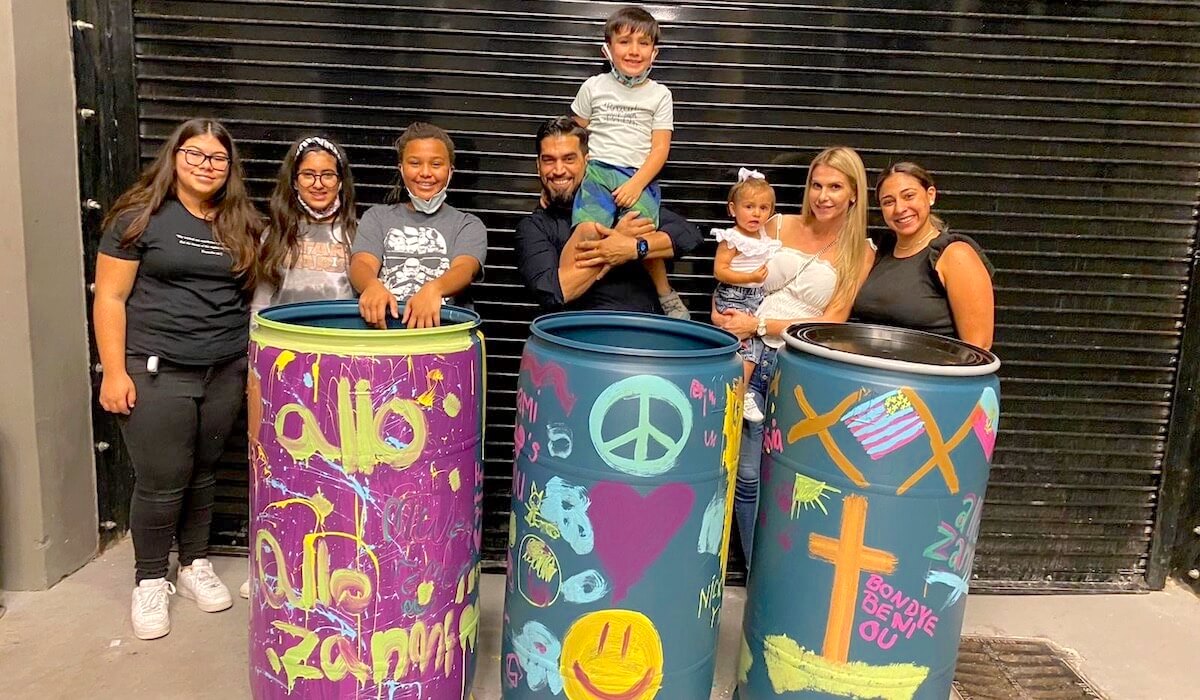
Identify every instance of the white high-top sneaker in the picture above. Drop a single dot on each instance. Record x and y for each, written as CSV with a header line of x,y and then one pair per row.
x,y
751,410
200,583
150,614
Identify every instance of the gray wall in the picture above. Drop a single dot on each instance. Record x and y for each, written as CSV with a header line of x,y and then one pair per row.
x,y
47,475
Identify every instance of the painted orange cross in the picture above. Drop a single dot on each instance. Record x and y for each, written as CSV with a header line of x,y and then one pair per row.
x,y
850,558
941,450
819,425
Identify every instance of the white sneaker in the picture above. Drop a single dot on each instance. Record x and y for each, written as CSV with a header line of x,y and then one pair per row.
x,y
751,410
150,614
200,583
244,590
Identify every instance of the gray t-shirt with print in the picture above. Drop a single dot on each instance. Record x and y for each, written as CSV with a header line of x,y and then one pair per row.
x,y
320,271
415,248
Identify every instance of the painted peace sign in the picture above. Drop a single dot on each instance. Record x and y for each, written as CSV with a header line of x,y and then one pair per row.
x,y
646,389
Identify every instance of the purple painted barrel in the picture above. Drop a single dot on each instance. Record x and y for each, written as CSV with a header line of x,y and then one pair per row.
x,y
366,488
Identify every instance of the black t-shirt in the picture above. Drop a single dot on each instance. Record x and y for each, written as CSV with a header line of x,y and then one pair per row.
x,y
540,240
186,306
908,293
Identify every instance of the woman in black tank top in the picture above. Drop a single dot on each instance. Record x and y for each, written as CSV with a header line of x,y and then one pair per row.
x,y
928,279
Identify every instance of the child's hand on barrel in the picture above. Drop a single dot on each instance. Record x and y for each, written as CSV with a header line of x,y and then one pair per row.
x,y
376,302
424,309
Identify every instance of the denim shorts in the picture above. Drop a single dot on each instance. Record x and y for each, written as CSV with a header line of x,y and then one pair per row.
x,y
729,297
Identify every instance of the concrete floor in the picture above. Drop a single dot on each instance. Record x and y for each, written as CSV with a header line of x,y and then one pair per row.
x,y
74,641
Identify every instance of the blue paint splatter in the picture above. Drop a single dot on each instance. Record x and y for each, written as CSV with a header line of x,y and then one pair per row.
x,y
538,650
566,506
712,527
585,587
958,585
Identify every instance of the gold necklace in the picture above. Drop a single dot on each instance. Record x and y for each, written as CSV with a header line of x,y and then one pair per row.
x,y
917,245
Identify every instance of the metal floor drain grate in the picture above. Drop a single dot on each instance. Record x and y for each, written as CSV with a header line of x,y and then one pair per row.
x,y
999,668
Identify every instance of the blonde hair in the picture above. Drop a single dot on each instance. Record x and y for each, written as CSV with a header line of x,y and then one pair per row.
x,y
749,185
851,240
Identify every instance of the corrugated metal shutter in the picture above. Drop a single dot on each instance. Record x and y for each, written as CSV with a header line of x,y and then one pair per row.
x,y
1066,137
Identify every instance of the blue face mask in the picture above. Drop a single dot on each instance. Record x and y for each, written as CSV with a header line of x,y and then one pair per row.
x,y
428,206
431,205
627,80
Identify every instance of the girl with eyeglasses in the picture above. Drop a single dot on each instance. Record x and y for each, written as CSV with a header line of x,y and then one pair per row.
x,y
306,247
176,263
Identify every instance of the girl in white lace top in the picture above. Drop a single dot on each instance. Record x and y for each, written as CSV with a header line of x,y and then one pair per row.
x,y
743,251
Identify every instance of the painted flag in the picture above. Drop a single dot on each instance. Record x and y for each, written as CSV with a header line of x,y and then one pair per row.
x,y
884,424
985,420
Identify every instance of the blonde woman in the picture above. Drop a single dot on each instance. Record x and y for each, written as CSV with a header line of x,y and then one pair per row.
x,y
815,276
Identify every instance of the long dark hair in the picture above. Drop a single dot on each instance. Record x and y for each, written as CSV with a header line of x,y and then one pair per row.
x,y
235,223
281,247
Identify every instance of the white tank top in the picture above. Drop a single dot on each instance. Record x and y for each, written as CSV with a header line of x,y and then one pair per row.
x,y
805,295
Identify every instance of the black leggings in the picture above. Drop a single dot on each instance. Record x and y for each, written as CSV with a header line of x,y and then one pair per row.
x,y
175,435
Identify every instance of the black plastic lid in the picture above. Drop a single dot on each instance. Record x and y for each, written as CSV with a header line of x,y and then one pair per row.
x,y
895,349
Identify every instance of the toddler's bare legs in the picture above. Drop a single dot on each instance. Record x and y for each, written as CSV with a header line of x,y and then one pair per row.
x,y
748,368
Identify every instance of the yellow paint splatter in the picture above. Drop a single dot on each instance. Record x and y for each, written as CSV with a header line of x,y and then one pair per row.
x,y
793,669
451,405
807,492
316,377
425,592
285,358
455,480
434,377
732,436
745,661
322,504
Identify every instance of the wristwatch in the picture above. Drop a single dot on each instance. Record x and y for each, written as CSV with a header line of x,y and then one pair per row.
x,y
643,247
762,327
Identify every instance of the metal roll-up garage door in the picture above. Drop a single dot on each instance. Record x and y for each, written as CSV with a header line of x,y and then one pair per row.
x,y
1066,139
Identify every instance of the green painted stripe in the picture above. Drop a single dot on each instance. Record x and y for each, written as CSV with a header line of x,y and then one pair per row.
x,y
341,341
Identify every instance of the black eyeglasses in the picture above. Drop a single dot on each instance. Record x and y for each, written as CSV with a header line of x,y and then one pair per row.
x,y
307,178
218,161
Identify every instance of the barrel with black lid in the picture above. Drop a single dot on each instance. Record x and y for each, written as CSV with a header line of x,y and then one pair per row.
x,y
876,458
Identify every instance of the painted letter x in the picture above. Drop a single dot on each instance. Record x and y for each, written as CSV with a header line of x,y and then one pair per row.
x,y
941,450
819,425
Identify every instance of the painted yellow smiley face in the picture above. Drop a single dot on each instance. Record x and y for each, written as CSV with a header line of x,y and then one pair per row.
x,y
612,655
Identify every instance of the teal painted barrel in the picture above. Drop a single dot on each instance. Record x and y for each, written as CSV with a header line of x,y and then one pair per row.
x,y
366,491
877,451
627,436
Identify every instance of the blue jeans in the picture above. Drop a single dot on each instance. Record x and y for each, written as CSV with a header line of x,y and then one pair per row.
x,y
745,490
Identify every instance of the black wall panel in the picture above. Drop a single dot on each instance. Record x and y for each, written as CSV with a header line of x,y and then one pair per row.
x,y
1066,138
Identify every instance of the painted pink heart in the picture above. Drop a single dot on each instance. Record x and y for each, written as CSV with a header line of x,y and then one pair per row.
x,y
632,530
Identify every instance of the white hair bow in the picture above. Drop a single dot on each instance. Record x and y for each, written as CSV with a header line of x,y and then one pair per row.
x,y
748,174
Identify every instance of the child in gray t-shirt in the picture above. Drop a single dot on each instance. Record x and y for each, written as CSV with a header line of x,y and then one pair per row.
x,y
415,248
423,252
629,120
